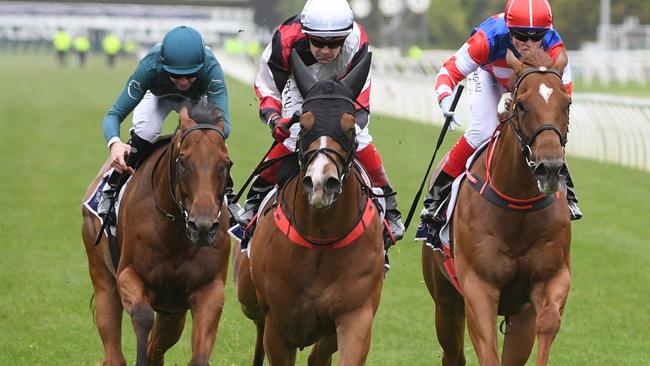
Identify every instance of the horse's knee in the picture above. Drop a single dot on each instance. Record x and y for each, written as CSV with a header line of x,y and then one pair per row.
x,y
142,316
548,322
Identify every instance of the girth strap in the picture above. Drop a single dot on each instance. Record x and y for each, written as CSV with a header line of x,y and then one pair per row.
x,y
525,205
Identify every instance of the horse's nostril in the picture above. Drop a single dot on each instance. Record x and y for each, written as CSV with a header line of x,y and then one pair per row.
x,y
307,183
332,184
541,170
215,227
192,226
563,171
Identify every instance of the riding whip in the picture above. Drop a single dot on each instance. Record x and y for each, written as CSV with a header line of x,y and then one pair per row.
x,y
448,120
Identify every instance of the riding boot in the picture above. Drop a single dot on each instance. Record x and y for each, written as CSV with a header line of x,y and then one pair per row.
x,y
393,216
435,198
233,206
574,210
259,189
140,149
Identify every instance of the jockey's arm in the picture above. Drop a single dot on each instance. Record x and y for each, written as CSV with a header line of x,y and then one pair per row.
x,y
474,53
271,77
218,94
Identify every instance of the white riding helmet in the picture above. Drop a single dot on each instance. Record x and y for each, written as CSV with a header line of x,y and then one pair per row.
x,y
326,18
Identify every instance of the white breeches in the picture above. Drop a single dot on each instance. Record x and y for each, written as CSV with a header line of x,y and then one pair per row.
x,y
292,103
149,116
485,94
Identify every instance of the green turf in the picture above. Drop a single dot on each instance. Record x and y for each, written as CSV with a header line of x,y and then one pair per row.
x,y
52,146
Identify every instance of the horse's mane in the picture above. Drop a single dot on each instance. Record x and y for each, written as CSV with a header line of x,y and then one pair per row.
x,y
536,58
203,111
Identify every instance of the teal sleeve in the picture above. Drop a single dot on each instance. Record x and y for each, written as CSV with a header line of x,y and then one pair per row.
x,y
128,99
218,94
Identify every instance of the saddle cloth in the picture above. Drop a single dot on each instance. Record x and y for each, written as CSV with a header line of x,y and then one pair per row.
x,y
93,201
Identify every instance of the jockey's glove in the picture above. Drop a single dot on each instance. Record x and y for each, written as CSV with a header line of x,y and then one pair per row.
x,y
280,127
445,106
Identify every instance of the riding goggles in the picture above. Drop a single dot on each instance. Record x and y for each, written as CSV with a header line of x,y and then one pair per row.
x,y
179,76
524,36
329,43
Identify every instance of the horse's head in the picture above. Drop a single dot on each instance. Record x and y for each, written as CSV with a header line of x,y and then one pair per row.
x,y
327,140
540,115
199,168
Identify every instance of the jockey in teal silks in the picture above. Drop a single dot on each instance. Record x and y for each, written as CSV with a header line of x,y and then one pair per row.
x,y
179,68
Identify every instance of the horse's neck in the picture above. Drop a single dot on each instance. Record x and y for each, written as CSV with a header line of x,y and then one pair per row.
x,y
508,169
314,222
161,185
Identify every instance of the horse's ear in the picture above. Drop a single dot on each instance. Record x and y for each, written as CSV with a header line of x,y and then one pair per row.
x,y
356,78
560,62
304,79
514,63
184,117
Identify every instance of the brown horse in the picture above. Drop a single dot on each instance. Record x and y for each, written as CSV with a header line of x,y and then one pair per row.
x,y
319,278
511,260
173,243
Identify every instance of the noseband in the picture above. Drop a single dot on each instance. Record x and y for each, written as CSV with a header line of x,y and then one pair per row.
x,y
524,142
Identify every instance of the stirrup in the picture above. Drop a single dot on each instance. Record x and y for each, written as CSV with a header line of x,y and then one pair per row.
x,y
574,211
436,216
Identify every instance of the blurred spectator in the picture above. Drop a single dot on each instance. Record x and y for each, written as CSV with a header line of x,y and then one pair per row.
x,y
81,45
62,44
253,50
111,46
130,47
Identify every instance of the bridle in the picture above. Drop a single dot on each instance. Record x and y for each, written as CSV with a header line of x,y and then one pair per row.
x,y
525,143
172,173
305,158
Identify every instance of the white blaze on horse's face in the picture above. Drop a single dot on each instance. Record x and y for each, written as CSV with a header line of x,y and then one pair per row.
x,y
320,170
545,92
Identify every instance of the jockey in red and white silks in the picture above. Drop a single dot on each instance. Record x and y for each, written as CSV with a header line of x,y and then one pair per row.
x,y
330,43
277,89
525,25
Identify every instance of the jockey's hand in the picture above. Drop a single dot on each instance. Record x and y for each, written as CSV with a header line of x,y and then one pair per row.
x,y
445,106
119,151
280,127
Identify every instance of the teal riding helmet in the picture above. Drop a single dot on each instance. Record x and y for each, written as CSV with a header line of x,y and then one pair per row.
x,y
182,51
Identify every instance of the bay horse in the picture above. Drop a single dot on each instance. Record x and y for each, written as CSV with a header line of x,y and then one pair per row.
x,y
315,269
511,260
173,243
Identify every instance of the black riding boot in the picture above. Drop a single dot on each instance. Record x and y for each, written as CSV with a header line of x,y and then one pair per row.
x,y
434,199
393,216
233,206
574,210
259,189
140,149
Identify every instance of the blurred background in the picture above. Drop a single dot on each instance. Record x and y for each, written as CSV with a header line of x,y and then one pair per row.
x,y
63,63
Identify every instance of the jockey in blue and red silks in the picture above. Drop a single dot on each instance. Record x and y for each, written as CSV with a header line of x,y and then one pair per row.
x,y
330,43
525,25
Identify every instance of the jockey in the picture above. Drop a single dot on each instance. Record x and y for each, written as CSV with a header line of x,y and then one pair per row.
x,y
330,43
525,25
180,67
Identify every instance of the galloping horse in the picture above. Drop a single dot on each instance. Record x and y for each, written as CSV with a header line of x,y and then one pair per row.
x,y
315,270
173,243
511,254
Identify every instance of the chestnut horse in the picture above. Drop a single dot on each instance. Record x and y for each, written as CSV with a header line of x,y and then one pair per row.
x,y
173,243
319,278
511,261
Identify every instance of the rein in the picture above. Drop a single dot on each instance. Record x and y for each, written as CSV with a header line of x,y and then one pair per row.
x,y
172,178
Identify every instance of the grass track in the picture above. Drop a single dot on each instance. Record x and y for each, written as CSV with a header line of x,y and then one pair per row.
x,y
52,146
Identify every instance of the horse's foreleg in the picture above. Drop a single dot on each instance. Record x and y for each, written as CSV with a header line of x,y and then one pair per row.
x,y
353,334
519,338
108,311
481,302
278,351
206,306
167,329
258,358
135,303
450,309
549,300
321,353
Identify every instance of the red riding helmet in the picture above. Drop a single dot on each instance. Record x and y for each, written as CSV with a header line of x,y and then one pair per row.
x,y
529,14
